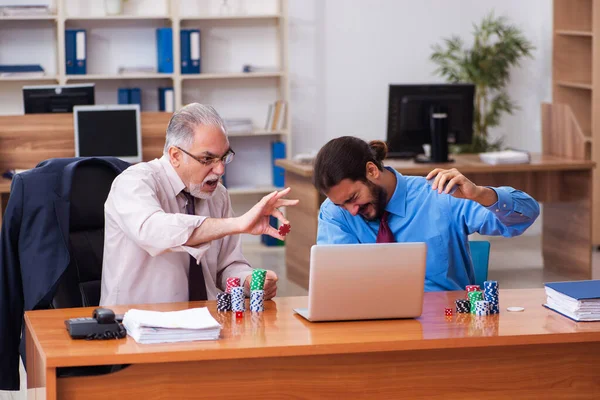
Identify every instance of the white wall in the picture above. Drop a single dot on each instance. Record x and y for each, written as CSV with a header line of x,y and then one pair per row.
x,y
345,53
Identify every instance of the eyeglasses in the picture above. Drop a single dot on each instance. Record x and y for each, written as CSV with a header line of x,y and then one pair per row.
x,y
206,161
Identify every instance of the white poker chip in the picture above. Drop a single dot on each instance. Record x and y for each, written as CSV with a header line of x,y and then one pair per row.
x,y
515,309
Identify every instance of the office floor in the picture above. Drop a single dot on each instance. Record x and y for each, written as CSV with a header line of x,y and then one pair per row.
x,y
523,252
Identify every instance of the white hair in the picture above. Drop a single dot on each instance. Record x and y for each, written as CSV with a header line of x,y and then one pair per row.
x,y
180,131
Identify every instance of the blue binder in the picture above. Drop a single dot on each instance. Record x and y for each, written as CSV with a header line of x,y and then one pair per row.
x,y
123,96
277,152
190,51
135,96
578,290
164,49
76,51
166,99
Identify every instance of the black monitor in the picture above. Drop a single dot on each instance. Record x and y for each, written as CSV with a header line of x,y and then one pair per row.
x,y
436,114
57,98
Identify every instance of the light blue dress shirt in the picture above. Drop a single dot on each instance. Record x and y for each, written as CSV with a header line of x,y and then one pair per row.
x,y
420,214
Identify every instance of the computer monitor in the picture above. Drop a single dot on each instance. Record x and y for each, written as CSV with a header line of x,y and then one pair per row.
x,y
56,98
436,114
108,131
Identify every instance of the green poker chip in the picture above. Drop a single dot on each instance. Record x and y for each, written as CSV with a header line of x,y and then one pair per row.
x,y
473,298
258,279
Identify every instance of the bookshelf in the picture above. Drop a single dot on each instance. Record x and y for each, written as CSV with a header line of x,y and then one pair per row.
x,y
576,78
251,32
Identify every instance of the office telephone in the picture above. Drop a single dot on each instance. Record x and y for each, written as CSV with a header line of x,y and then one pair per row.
x,y
102,325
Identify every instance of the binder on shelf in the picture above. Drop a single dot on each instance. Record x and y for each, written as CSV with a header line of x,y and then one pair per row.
x,y
166,99
123,95
190,51
135,96
277,152
76,51
130,96
164,50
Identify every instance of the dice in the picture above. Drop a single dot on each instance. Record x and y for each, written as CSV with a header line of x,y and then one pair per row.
x,y
448,312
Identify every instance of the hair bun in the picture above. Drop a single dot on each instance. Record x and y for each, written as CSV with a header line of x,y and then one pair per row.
x,y
379,149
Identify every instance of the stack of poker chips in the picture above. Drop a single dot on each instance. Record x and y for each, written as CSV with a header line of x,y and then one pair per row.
x,y
257,293
491,294
238,302
472,288
223,302
257,301
474,297
482,308
463,306
231,283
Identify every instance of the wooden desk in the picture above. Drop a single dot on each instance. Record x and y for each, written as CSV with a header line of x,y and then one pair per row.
x,y
4,195
535,354
563,185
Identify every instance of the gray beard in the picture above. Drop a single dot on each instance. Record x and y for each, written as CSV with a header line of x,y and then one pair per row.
x,y
196,191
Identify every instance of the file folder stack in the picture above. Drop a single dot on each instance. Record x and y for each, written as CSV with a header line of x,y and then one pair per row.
x,y
170,327
578,300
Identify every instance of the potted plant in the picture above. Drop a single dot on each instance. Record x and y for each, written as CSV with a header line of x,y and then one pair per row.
x,y
114,7
497,46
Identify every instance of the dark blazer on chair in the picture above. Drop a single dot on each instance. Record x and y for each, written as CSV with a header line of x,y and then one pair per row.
x,y
34,249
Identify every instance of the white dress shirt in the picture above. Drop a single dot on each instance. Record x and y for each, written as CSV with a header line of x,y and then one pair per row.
x,y
146,226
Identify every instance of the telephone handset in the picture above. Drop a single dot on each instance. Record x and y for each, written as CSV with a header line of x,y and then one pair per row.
x,y
102,325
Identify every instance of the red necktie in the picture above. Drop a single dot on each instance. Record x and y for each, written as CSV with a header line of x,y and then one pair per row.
x,y
385,234
196,284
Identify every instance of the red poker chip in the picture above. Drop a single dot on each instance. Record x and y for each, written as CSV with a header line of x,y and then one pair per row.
x,y
285,229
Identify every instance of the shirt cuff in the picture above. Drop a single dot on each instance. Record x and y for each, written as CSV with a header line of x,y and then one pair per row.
x,y
504,205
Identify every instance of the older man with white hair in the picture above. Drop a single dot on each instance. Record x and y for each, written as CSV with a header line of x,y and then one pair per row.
x,y
170,233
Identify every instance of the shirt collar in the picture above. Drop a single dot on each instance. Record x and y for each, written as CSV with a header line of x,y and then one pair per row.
x,y
397,203
174,179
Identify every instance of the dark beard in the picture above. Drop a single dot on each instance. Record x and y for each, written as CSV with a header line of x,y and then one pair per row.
x,y
379,195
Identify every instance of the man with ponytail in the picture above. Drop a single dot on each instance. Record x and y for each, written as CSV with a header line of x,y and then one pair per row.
x,y
370,203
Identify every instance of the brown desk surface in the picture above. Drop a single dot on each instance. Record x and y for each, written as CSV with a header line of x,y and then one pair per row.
x,y
279,332
466,163
5,185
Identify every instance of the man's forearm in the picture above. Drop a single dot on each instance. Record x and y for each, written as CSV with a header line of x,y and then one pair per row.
x,y
487,197
213,229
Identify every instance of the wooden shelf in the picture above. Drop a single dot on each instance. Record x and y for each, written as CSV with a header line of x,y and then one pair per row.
x,y
117,18
575,85
28,18
252,190
259,133
108,77
232,75
232,17
569,32
28,78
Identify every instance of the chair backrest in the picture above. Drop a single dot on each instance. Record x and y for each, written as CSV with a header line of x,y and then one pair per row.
x,y
80,284
480,254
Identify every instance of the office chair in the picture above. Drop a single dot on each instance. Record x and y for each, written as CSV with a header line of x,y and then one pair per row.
x,y
80,285
480,254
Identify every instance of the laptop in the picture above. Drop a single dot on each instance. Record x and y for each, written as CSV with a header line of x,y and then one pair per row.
x,y
365,281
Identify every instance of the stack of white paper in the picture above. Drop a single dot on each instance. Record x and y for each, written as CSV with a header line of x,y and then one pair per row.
x,y
238,125
578,310
174,326
505,157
